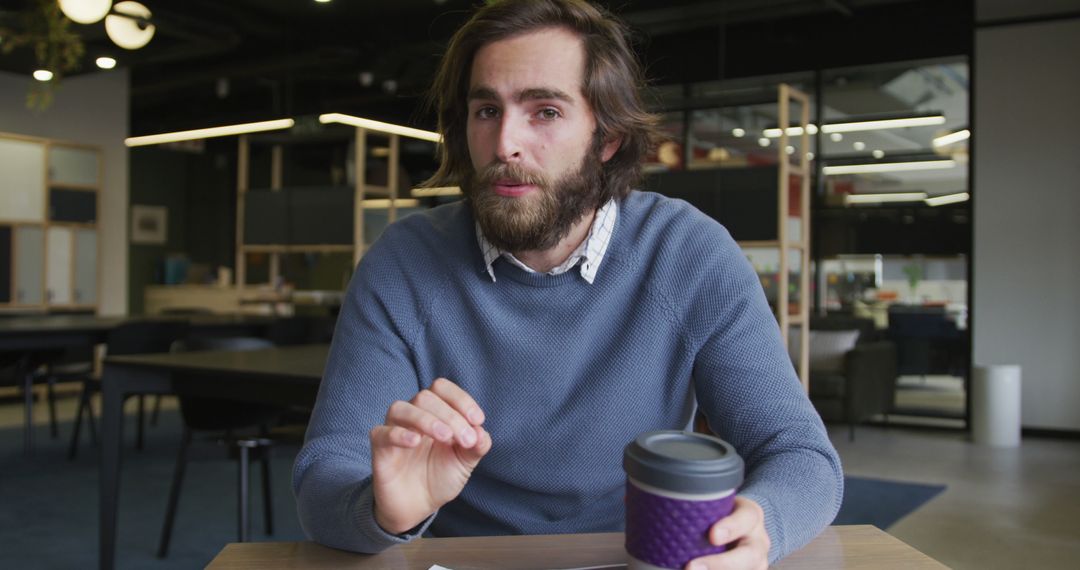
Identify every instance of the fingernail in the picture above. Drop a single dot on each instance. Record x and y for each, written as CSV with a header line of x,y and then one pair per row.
x,y
468,437
476,417
442,431
412,438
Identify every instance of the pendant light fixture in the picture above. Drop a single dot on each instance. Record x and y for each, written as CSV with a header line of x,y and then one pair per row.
x,y
129,25
85,11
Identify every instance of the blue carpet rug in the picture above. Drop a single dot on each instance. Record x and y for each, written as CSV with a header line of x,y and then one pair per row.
x,y
881,502
49,512
49,506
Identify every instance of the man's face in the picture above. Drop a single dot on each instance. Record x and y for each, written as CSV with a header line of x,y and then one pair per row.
x,y
530,134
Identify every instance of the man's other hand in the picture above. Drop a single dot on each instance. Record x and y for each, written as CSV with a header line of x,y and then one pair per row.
x,y
424,453
744,533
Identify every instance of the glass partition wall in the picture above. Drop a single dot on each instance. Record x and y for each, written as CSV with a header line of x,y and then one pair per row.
x,y
891,234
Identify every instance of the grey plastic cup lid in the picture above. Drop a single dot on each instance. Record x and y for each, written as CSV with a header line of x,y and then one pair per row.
x,y
683,462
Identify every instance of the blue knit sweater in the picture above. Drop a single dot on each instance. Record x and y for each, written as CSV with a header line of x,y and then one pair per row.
x,y
567,373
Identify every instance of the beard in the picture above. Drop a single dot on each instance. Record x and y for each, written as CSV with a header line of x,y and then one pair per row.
x,y
542,218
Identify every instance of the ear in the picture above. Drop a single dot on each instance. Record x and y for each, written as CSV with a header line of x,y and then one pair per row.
x,y
610,147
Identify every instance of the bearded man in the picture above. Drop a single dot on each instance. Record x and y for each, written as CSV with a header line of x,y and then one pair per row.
x,y
494,356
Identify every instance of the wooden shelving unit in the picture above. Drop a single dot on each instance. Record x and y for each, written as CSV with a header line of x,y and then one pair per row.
x,y
785,242
361,190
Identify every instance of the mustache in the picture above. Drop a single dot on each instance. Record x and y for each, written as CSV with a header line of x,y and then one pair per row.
x,y
505,171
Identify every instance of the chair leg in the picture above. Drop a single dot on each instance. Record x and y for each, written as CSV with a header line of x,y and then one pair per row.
x,y
54,430
84,401
28,412
268,503
174,493
156,411
90,416
141,425
242,496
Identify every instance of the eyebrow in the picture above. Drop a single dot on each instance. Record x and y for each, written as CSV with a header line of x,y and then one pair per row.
x,y
530,94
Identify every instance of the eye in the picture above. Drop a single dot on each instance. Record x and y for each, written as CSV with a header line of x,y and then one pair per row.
x,y
548,114
487,112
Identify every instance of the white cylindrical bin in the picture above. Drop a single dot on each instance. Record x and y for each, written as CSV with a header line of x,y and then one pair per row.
x,y
995,402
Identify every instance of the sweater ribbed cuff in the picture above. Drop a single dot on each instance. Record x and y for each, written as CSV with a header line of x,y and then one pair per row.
x,y
363,516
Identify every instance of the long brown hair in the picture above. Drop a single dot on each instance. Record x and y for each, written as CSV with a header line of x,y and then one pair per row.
x,y
613,84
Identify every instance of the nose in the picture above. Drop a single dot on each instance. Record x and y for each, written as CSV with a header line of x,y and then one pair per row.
x,y
508,148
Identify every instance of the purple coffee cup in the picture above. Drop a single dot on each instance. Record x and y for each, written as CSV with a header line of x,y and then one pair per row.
x,y
678,484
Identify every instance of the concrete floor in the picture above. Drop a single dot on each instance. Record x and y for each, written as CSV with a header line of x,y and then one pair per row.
x,y
1003,508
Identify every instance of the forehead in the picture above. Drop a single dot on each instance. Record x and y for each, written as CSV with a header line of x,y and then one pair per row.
x,y
545,58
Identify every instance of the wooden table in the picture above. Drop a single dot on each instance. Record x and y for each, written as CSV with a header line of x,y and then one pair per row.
x,y
25,339
283,376
848,547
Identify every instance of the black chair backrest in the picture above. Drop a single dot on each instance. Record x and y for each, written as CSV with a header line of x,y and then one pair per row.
x,y
215,414
305,329
195,344
145,337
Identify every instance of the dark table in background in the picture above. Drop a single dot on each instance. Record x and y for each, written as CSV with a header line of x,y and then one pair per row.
x,y
25,340
282,376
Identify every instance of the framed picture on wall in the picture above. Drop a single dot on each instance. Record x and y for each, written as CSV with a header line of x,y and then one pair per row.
x,y
149,224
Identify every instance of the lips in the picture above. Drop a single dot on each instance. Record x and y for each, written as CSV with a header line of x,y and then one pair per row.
x,y
512,188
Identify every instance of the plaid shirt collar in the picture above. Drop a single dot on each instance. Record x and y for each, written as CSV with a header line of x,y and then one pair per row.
x,y
590,253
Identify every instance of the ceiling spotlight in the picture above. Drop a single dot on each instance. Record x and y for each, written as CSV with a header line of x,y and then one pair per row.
x,y
738,132
85,11
789,149
878,153
221,87
129,25
836,137
810,156
389,86
105,62
366,78
43,75
858,145
322,1
763,141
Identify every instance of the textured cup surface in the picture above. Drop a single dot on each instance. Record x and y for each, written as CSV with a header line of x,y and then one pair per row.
x,y
678,485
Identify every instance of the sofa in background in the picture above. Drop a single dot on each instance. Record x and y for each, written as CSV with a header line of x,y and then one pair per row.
x,y
853,369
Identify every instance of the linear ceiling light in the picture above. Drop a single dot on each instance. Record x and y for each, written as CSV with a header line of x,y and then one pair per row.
x,y
852,126
379,126
887,197
883,124
944,140
948,199
888,167
436,191
791,131
210,133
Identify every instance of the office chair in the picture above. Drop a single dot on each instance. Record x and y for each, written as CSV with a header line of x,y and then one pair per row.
x,y
135,337
221,418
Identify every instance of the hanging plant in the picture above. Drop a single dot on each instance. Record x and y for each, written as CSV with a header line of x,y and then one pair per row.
x,y
56,48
